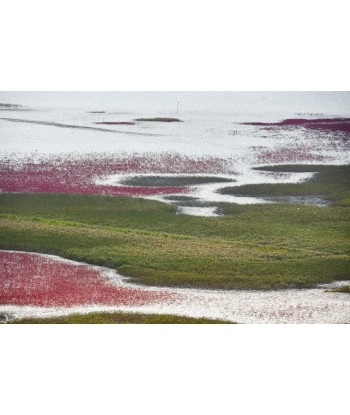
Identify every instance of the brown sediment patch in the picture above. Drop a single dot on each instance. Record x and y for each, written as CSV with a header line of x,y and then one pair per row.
x,y
116,122
342,289
159,119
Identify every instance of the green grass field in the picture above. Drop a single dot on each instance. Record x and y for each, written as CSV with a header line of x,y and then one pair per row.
x,y
252,247
120,318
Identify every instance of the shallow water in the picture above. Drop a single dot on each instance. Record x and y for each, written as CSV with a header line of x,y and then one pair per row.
x,y
63,124
211,120
208,192
198,211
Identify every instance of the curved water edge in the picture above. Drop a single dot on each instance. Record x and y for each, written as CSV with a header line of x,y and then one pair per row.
x,y
284,306
208,193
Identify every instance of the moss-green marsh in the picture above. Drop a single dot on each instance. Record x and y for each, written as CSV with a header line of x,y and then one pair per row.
x,y
120,318
342,289
330,182
251,247
172,180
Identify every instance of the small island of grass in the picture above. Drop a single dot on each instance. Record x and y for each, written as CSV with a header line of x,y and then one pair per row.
x,y
341,289
159,181
120,318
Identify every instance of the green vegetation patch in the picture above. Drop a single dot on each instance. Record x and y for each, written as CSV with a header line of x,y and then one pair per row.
x,y
155,181
252,247
331,183
120,318
342,289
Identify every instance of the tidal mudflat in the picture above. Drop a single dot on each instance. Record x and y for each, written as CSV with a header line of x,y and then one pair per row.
x,y
240,212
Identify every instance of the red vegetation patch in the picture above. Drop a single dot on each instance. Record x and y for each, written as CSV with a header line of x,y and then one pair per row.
x,y
38,280
289,154
77,175
304,122
336,127
341,125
